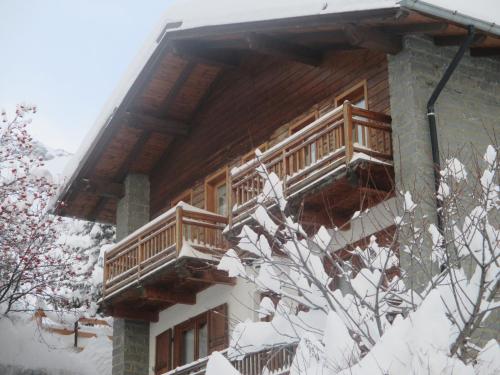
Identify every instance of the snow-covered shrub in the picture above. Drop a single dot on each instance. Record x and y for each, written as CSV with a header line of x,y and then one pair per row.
x,y
376,325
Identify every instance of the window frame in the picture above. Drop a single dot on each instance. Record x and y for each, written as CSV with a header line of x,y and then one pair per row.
x,y
179,197
195,324
361,86
212,183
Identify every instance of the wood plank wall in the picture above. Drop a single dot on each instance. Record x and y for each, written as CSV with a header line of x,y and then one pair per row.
x,y
255,104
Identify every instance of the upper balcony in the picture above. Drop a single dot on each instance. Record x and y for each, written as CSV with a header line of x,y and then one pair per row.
x,y
178,243
336,143
164,262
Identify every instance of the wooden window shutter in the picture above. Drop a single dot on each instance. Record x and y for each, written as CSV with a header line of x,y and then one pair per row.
x,y
218,335
163,361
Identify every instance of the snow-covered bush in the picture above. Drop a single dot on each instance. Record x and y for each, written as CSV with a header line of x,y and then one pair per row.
x,y
376,325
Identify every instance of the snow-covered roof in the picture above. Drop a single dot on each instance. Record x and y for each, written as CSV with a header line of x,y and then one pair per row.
x,y
190,14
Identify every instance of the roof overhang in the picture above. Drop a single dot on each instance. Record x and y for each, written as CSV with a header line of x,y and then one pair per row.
x,y
145,114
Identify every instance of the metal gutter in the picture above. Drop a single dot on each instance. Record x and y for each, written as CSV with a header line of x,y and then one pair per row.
x,y
431,117
451,15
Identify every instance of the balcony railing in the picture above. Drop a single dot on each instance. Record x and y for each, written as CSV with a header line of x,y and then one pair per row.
x,y
313,153
277,360
162,241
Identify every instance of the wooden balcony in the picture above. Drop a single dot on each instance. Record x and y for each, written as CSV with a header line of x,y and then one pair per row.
x,y
335,142
277,360
183,233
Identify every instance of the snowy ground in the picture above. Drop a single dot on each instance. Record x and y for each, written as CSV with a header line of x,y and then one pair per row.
x,y
24,344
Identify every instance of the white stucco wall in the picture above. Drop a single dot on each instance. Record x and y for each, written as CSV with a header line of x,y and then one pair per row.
x,y
242,300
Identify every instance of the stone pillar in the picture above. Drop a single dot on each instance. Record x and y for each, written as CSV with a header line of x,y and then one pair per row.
x,y
130,347
467,116
133,209
130,337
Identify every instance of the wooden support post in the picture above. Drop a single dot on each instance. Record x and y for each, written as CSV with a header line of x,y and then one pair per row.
x,y
76,334
178,229
348,141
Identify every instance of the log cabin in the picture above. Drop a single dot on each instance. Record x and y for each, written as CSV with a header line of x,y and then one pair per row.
x,y
332,94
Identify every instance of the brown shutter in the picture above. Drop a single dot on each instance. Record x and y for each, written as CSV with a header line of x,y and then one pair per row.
x,y
163,352
218,336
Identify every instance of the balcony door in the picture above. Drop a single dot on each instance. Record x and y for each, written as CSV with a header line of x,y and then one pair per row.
x,y
358,97
216,192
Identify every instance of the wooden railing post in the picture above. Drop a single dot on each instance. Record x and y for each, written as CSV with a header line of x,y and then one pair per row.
x,y
229,184
105,275
285,170
348,140
178,229
140,255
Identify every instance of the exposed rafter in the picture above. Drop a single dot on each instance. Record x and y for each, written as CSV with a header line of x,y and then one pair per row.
x,y
416,28
133,155
101,203
373,39
175,90
155,124
102,187
211,277
456,40
283,49
128,312
484,52
165,296
199,53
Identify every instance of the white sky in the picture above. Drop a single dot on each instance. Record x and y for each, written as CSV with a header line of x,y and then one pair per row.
x,y
66,56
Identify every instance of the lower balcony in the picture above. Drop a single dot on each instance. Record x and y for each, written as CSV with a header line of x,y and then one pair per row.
x,y
167,261
344,156
277,360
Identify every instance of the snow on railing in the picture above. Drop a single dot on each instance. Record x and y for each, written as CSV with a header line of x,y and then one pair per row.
x,y
277,360
308,156
161,241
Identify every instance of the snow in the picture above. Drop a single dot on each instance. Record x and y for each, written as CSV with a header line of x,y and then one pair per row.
x,y
158,219
230,262
25,345
218,364
266,307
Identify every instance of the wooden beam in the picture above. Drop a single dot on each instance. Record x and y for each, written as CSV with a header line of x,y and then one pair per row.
x,y
161,295
211,277
132,156
102,187
97,209
155,124
416,28
456,40
485,52
199,53
126,312
283,49
373,39
178,85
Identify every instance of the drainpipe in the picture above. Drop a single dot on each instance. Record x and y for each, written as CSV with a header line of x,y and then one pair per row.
x,y
431,116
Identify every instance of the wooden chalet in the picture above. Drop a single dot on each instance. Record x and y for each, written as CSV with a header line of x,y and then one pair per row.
x,y
310,92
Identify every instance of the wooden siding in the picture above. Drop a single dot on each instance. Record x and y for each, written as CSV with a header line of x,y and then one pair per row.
x,y
258,103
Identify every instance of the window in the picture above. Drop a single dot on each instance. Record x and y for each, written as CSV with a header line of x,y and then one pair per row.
x,y
251,155
310,152
196,338
192,339
185,196
216,193
358,97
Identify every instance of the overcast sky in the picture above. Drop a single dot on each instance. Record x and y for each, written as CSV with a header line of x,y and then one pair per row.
x,y
66,56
